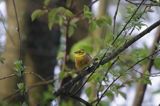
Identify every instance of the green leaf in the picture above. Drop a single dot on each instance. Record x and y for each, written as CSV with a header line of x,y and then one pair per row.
x,y
21,87
58,16
145,80
103,21
73,26
46,2
19,68
88,91
123,94
92,25
85,44
62,74
36,14
110,95
97,77
52,18
157,62
87,12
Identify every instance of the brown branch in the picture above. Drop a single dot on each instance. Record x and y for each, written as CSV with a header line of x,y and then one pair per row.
x,y
40,84
8,76
35,74
18,30
141,88
90,69
14,75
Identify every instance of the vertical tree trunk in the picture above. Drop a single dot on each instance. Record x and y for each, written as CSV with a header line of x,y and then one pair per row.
x,y
41,50
11,53
39,47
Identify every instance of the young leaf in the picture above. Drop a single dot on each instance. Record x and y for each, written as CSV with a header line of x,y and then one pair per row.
x,y
46,2
36,14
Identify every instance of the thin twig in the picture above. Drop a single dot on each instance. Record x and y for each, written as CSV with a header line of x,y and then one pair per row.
x,y
18,30
35,74
14,75
40,84
8,76
115,16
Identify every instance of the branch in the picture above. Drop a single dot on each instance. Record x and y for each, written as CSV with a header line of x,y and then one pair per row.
x,y
93,67
18,30
40,84
8,76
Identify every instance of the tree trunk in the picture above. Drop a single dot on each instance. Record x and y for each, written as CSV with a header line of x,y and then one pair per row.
x,y
12,50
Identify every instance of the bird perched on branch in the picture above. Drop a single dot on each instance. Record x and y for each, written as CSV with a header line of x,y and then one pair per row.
x,y
82,59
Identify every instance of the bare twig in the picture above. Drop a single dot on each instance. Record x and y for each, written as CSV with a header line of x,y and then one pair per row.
x,y
115,16
18,30
40,84
14,75
35,74
8,76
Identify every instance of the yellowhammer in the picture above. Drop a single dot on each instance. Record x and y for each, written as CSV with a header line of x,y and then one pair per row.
x,y
82,59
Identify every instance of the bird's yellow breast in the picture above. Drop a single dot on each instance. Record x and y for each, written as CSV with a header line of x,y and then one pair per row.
x,y
82,60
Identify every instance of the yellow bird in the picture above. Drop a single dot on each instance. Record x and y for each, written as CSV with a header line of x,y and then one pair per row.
x,y
82,59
